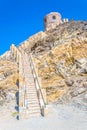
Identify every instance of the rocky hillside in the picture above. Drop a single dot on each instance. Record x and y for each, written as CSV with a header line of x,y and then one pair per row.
x,y
61,58
8,78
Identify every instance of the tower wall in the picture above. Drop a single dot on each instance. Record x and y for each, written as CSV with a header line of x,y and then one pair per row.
x,y
51,20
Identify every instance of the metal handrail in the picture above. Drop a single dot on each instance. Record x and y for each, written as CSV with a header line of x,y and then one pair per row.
x,y
34,69
36,76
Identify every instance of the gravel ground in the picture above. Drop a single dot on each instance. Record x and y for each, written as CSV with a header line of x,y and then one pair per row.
x,y
60,117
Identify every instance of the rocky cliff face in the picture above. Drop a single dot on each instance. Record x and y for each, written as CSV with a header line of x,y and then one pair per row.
x,y
8,78
61,59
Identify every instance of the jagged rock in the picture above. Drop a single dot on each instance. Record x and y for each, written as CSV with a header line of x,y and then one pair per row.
x,y
6,55
8,73
85,97
10,96
69,82
82,65
79,88
8,79
2,77
60,56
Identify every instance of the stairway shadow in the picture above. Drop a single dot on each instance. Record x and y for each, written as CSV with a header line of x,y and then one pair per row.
x,y
17,104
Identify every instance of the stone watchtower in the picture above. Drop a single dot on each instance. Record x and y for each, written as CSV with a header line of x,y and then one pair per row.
x,y
52,20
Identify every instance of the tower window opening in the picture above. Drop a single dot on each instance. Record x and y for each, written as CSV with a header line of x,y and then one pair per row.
x,y
45,20
53,17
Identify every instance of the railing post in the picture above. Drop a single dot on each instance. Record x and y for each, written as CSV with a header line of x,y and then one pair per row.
x,y
41,93
44,94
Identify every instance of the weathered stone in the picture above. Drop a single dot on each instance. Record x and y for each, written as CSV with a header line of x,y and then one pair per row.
x,y
74,93
85,97
45,111
69,82
2,77
52,20
60,55
10,96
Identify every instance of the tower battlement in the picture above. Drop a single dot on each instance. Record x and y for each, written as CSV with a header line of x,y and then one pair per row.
x,y
52,20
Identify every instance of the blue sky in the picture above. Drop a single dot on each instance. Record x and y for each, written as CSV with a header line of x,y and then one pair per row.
x,y
19,19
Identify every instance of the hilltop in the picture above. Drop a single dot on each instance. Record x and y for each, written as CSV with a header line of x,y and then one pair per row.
x,y
60,55
8,78
61,58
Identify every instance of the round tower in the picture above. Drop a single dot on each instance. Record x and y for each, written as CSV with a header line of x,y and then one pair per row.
x,y
52,20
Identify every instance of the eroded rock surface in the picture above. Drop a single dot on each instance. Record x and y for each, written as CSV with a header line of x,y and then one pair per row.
x,y
63,67
8,80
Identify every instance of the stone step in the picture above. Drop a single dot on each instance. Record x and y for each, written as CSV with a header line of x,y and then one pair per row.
x,y
30,116
33,105
29,77
27,64
30,87
28,67
29,83
27,74
34,109
30,98
28,71
30,80
33,102
31,90
34,114
32,93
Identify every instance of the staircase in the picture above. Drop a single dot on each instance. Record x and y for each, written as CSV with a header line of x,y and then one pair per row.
x,y
32,100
